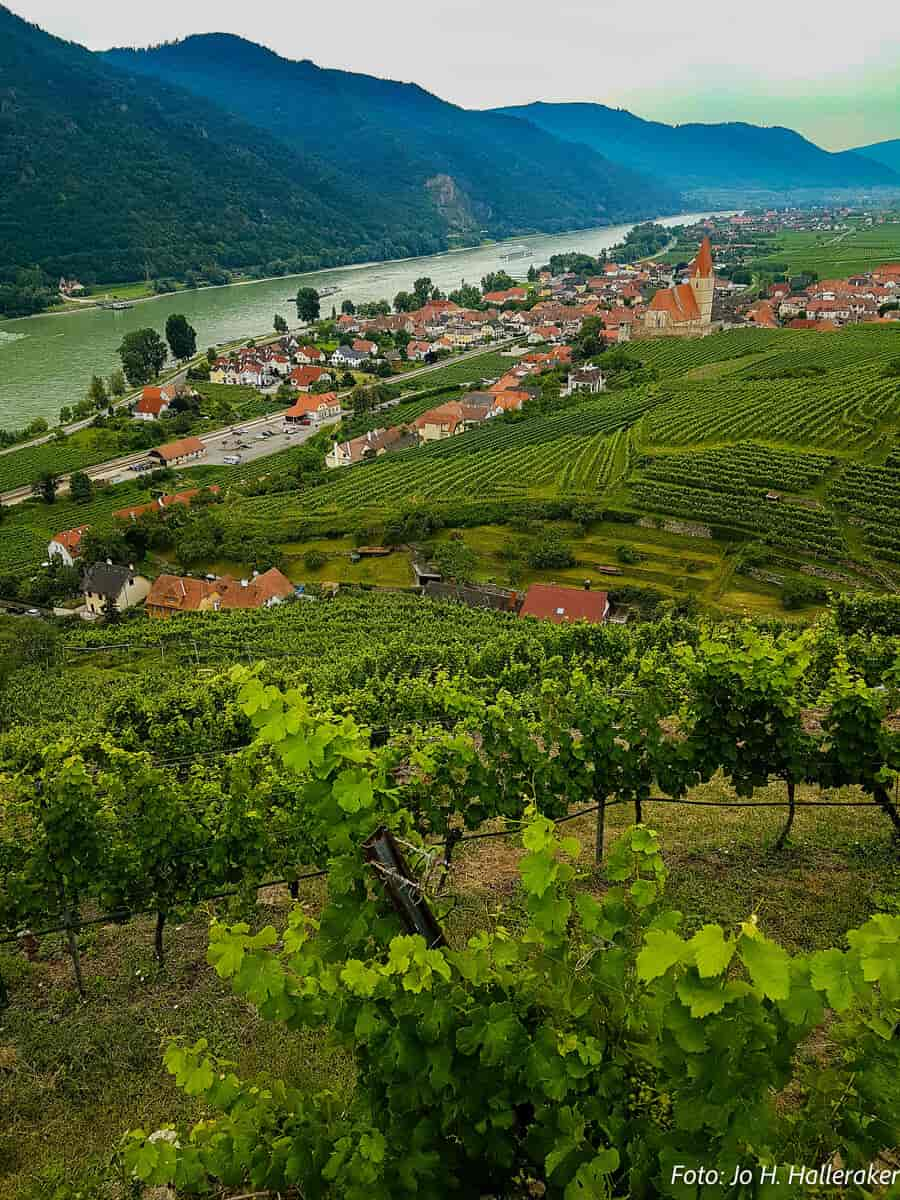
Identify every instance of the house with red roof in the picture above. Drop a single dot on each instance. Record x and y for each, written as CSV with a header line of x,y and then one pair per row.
x,y
564,605
154,402
66,546
448,420
322,407
302,378
309,356
176,452
173,594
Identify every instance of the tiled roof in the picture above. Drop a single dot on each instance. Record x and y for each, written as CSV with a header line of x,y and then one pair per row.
x,y
179,449
703,263
562,604
71,538
679,302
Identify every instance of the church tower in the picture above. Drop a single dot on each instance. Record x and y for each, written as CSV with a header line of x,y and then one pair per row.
x,y
703,281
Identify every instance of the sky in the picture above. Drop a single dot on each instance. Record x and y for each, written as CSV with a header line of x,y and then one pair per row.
x,y
830,70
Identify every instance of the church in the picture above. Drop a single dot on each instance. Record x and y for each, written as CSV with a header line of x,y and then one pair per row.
x,y
686,309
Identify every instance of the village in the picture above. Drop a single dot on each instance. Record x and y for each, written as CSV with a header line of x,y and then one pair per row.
x,y
322,370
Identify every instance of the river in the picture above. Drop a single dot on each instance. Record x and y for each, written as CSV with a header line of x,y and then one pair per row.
x,y
47,361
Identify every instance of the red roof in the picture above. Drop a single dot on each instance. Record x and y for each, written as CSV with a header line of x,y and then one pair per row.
x,y
679,302
180,449
304,376
71,539
153,400
562,604
310,404
174,593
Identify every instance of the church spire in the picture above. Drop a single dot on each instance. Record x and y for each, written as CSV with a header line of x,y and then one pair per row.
x,y
703,263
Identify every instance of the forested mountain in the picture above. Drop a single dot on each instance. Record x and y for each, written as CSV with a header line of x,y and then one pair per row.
x,y
697,157
467,171
107,174
886,153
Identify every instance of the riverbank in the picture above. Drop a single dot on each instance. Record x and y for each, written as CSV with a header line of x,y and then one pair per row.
x,y
46,364
81,305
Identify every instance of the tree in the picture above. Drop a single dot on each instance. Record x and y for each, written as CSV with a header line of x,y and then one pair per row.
x,y
307,304
143,354
497,281
211,354
181,336
422,290
280,324
314,560
97,392
45,487
65,415
405,302
98,546
348,308
117,384
466,295
81,489
456,561
550,551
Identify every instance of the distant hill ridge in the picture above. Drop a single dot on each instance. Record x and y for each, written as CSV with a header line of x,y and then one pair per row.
x,y
474,170
886,153
697,156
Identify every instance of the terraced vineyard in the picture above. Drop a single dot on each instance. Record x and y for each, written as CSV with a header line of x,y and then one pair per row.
x,y
741,467
871,495
809,528
847,413
515,458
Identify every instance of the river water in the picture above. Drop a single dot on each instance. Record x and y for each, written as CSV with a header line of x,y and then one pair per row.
x,y
46,362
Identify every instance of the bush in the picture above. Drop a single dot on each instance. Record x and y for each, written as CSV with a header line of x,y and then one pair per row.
x,y
550,551
314,560
800,593
628,554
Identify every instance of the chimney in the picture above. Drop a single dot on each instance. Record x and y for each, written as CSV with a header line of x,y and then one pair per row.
x,y
587,585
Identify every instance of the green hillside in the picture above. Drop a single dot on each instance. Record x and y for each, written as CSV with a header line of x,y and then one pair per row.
x,y
109,176
476,171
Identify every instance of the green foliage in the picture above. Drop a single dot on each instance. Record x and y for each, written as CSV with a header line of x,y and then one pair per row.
x,y
143,355
550,550
81,489
588,1055
45,487
307,304
801,593
181,337
314,560
456,561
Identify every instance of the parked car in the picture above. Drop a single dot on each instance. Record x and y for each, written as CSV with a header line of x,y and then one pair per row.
x,y
232,460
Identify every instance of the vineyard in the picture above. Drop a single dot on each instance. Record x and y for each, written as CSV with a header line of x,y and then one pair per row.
x,y
808,415
834,256
141,770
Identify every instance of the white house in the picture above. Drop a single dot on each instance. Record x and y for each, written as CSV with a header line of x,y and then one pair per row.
x,y
66,546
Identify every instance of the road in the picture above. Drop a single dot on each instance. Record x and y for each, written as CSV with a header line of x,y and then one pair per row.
x,y
222,442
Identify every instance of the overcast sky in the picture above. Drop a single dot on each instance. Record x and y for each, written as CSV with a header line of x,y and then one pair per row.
x,y
829,69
